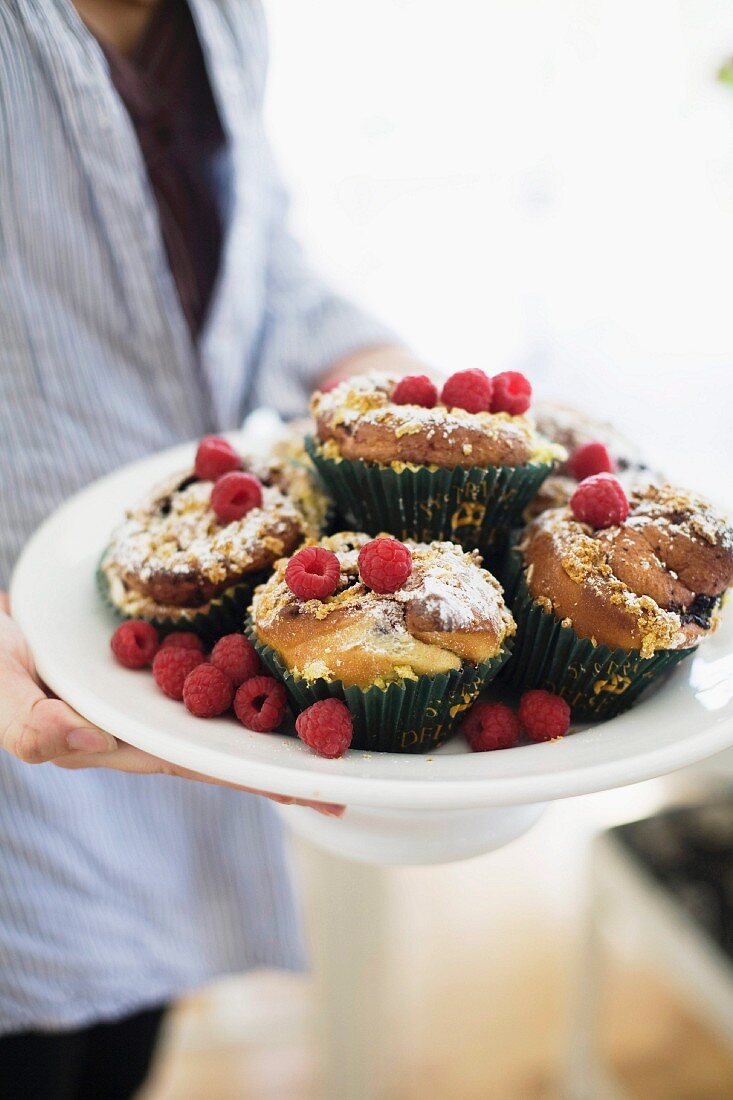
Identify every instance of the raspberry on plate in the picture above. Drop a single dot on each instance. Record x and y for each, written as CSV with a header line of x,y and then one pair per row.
x,y
182,639
543,715
590,458
235,494
237,657
385,564
468,389
489,726
416,389
326,727
215,457
512,393
600,501
313,573
260,703
207,691
172,665
135,643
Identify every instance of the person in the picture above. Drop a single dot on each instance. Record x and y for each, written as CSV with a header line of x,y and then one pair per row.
x,y
150,292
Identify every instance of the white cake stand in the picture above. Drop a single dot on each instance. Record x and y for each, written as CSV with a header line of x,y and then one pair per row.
x,y
401,809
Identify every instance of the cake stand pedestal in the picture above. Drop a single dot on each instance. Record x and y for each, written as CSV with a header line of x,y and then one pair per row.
x,y
412,836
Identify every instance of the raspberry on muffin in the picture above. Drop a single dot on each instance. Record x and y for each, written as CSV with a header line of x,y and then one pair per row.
x,y
215,457
589,459
398,459
190,554
638,584
511,393
234,495
313,573
468,389
407,646
385,564
360,419
603,607
600,501
416,389
593,447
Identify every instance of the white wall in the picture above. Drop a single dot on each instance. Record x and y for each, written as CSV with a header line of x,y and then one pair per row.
x,y
539,184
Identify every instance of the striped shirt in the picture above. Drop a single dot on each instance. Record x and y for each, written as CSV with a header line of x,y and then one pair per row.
x,y
118,891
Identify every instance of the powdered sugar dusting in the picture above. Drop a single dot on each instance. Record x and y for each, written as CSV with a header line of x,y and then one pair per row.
x,y
448,587
446,591
185,535
586,556
366,400
175,532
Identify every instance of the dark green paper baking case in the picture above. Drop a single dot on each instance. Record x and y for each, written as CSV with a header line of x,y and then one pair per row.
x,y
473,507
411,717
223,615
597,682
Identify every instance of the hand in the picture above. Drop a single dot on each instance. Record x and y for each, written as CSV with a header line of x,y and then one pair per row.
x,y
38,729
388,358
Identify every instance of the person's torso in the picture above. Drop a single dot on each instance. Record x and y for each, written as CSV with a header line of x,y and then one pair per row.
x,y
119,890
164,84
97,364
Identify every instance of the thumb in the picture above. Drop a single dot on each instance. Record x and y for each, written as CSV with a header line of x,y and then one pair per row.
x,y
37,729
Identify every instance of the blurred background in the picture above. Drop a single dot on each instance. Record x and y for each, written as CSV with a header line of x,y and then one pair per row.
x,y
542,185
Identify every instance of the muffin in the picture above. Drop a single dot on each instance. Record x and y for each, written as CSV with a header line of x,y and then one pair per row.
x,y
571,428
602,613
422,472
176,563
407,663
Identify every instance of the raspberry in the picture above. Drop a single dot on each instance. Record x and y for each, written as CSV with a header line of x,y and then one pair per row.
x,y
215,457
260,703
182,639
172,665
330,385
543,715
589,459
491,726
600,501
313,573
512,393
234,495
415,389
468,389
237,657
326,727
135,643
207,691
385,564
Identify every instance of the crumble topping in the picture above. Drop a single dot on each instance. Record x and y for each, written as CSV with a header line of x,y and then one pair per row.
x,y
174,530
366,400
446,592
585,556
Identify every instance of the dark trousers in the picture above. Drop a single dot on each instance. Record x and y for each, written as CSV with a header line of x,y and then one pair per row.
x,y
103,1062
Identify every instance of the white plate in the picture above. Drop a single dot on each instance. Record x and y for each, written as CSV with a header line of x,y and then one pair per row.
x,y
55,603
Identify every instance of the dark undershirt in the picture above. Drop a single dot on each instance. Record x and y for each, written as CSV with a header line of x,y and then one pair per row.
x,y
165,89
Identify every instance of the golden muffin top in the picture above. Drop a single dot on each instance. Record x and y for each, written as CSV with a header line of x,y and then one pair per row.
x,y
449,610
